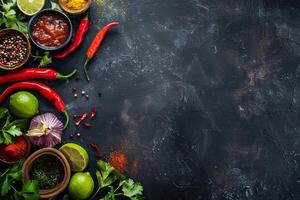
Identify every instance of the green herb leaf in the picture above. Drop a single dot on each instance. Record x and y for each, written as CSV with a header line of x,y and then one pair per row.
x,y
8,5
110,195
14,131
7,138
30,190
55,6
66,197
3,112
131,188
22,124
4,186
45,60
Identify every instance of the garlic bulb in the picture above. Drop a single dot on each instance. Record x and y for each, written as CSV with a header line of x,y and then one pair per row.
x,y
45,130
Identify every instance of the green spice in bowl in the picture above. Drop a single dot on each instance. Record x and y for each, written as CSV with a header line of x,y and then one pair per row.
x,y
50,168
48,171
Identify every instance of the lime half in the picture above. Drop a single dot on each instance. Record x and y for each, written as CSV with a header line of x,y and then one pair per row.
x,y
76,155
30,7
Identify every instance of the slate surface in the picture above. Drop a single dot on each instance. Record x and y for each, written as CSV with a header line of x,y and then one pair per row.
x,y
202,96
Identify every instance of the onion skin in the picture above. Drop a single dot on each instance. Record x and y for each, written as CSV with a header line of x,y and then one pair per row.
x,y
53,137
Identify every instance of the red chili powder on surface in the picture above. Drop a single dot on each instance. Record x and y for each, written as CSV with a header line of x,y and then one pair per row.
x,y
15,151
118,160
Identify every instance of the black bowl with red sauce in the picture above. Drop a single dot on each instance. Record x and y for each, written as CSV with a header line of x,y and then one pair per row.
x,y
50,30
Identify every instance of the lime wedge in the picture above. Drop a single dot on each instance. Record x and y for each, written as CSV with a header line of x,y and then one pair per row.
x,y
76,155
30,7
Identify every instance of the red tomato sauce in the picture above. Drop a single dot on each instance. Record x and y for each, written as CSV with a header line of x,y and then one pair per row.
x,y
51,30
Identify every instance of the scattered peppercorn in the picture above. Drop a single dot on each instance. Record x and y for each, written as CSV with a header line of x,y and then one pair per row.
x,y
13,49
87,96
82,92
75,96
99,94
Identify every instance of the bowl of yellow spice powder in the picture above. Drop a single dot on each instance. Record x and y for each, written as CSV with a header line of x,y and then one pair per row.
x,y
75,7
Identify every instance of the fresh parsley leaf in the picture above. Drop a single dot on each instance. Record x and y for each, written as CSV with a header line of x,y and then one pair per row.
x,y
3,112
110,195
4,186
30,190
14,131
108,176
22,124
66,197
10,18
7,138
55,6
45,60
131,188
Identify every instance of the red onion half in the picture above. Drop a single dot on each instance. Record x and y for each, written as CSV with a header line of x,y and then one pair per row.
x,y
45,130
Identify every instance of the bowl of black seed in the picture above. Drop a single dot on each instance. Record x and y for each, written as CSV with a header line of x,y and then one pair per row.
x,y
15,49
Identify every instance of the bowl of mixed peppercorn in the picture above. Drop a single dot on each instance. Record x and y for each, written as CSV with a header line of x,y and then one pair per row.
x,y
15,49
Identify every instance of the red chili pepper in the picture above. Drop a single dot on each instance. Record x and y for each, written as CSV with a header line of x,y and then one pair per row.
x,y
98,153
87,125
44,90
96,44
93,112
81,118
81,31
34,73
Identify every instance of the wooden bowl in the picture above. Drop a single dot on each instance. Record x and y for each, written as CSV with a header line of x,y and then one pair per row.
x,y
26,154
75,12
48,193
7,31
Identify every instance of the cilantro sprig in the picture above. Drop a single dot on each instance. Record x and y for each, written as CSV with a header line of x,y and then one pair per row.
x,y
118,185
10,129
11,186
9,17
44,60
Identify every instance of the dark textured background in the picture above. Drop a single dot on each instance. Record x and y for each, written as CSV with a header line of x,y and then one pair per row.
x,y
202,95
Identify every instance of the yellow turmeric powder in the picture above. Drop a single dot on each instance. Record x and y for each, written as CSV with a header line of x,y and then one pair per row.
x,y
74,4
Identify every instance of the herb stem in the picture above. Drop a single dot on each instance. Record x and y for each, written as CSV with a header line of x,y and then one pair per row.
x,y
95,193
4,172
13,188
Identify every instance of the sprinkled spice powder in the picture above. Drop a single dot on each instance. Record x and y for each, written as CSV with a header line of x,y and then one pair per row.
x,y
13,49
118,160
48,171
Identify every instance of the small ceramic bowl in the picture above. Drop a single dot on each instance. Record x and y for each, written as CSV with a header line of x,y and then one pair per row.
x,y
35,18
28,46
75,12
26,154
45,194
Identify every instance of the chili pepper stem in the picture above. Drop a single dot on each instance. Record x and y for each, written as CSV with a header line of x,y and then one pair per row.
x,y
85,69
67,118
61,76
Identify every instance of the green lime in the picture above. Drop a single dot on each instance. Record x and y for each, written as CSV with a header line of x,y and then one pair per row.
x,y
30,7
23,104
76,155
81,185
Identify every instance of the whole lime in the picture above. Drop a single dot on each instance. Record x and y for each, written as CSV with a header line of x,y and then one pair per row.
x,y
81,185
23,104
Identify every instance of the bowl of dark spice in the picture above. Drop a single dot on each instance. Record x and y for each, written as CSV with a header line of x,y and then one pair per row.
x,y
15,49
50,168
